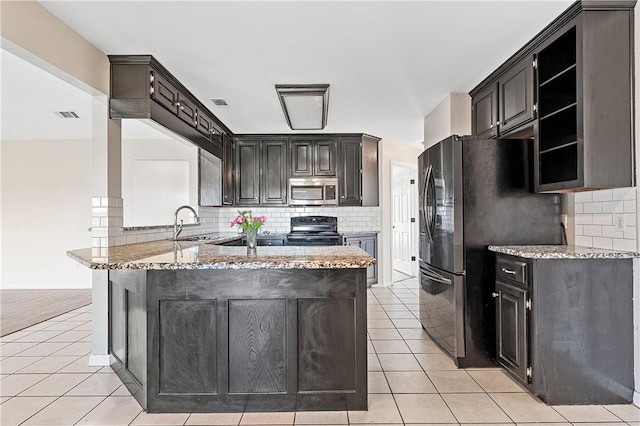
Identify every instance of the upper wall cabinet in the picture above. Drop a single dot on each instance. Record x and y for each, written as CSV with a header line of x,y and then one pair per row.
x,y
313,157
506,104
515,97
484,112
570,88
261,171
358,170
142,88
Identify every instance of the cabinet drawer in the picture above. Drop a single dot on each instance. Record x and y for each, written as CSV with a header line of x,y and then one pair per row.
x,y
511,270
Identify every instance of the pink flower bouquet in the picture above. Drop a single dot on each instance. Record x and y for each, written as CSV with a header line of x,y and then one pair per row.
x,y
246,220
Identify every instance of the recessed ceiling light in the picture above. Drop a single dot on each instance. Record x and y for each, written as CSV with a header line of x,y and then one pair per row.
x,y
305,106
219,102
66,114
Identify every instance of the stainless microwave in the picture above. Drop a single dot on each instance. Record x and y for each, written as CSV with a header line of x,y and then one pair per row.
x,y
313,191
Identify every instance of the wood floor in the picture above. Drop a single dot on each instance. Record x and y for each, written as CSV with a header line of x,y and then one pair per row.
x,y
23,308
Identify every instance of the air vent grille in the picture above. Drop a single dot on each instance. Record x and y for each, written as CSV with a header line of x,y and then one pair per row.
x,y
219,102
67,114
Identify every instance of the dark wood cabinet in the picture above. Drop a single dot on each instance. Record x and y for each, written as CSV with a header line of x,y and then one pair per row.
x,y
274,172
247,166
227,170
187,111
512,319
301,153
368,243
240,340
584,138
350,172
272,240
142,88
324,161
358,170
571,90
506,104
515,96
565,327
163,92
313,157
484,112
261,171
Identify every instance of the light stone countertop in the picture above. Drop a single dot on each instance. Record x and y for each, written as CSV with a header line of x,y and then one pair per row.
x,y
167,254
562,252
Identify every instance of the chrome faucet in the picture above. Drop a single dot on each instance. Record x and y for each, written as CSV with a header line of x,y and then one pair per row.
x,y
177,229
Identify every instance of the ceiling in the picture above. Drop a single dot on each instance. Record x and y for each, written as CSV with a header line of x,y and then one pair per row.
x,y
389,63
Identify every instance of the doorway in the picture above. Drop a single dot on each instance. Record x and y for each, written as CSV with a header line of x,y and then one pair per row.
x,y
404,193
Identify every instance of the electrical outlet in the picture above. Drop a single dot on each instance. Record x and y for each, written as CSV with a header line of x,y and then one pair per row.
x,y
618,222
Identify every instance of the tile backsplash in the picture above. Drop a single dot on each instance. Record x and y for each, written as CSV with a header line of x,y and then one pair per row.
x,y
107,222
350,219
606,219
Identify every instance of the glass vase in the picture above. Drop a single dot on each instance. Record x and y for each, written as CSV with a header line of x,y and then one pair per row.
x,y
252,238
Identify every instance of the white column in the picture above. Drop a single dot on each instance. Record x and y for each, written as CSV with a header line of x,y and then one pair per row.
x,y
106,217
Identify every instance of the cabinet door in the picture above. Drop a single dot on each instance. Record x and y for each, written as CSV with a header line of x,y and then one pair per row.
x,y
350,172
274,172
484,112
247,172
186,110
227,170
511,329
324,163
204,124
369,245
301,154
164,93
516,96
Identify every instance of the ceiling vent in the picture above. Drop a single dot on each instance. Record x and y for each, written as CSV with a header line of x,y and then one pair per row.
x,y
219,102
67,114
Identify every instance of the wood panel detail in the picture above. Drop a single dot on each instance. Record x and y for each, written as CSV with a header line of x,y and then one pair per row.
x,y
257,346
188,346
136,336
326,344
118,331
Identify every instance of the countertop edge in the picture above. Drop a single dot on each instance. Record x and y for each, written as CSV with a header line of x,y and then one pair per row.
x,y
561,252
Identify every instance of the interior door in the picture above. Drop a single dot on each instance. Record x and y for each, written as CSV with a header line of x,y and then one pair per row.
x,y
401,219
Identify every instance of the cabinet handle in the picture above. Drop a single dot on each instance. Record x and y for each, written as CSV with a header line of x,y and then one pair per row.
x,y
491,127
178,104
495,294
508,271
498,123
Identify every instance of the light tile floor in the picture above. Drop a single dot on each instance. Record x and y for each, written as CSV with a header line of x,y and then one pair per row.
x,y
45,380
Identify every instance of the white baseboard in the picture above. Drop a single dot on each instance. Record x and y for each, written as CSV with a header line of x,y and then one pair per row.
x,y
98,360
636,398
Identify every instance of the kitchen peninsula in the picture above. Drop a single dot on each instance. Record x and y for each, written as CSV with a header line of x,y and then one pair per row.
x,y
200,327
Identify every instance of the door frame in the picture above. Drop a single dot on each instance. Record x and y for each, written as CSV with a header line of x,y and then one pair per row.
x,y
413,199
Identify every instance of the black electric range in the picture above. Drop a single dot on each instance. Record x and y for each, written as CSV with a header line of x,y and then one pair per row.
x,y
314,231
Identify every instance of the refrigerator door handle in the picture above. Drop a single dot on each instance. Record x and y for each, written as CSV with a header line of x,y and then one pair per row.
x,y
431,194
425,204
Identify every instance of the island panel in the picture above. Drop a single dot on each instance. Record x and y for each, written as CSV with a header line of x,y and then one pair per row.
x,y
241,340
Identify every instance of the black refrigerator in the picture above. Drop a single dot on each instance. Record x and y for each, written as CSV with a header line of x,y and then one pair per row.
x,y
474,193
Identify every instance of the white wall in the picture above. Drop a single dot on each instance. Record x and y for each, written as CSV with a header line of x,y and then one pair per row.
x,y
401,153
172,169
46,210
451,117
